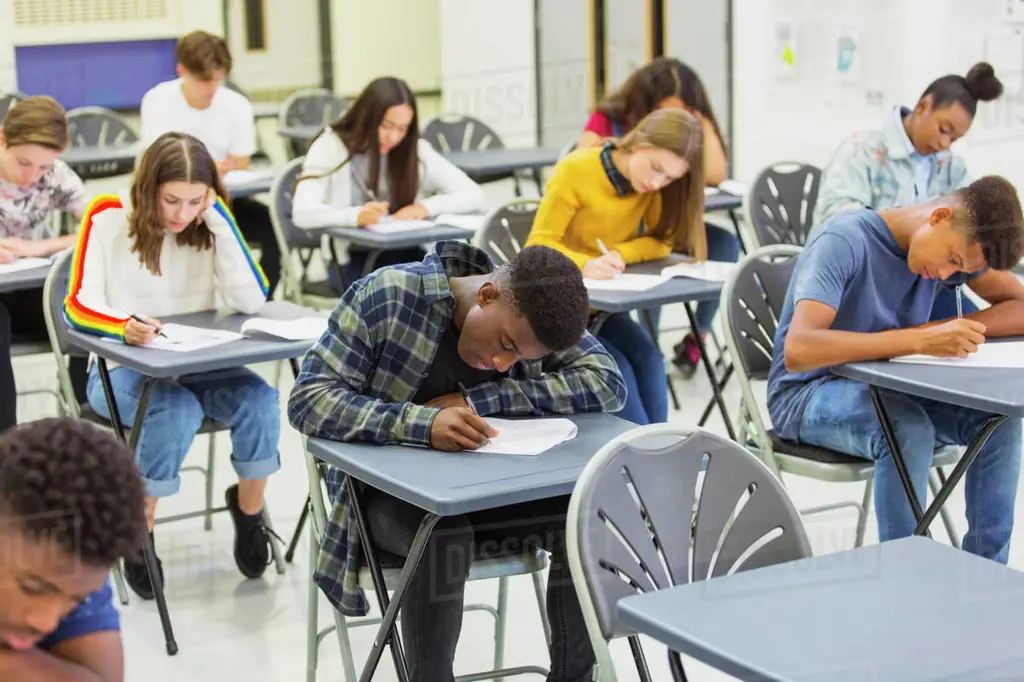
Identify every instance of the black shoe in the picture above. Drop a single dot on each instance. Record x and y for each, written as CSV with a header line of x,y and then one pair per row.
x,y
687,355
137,575
252,538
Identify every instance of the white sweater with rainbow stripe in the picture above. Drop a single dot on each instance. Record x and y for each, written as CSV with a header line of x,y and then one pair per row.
x,y
109,284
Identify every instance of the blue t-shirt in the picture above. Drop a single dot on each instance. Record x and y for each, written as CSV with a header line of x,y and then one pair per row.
x,y
854,265
95,614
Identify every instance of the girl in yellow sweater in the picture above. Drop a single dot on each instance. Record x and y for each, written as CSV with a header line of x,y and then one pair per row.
x,y
654,178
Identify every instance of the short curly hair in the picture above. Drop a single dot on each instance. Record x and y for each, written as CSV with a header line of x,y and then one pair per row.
x,y
546,288
990,215
75,485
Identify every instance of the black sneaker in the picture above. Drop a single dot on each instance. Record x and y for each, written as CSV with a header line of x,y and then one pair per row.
x,y
252,538
687,356
137,575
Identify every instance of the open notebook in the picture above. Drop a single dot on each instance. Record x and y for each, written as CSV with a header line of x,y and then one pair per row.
x,y
528,436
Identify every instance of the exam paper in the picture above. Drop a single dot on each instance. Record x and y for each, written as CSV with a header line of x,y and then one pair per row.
x,y
25,264
391,226
181,338
710,270
300,329
240,178
466,222
528,436
1007,355
625,282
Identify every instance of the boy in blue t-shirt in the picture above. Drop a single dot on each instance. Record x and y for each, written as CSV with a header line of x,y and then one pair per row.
x,y
863,289
71,505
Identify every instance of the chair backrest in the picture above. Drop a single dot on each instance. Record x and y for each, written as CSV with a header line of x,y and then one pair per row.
x,y
313,107
282,195
55,289
8,100
660,506
457,133
780,206
506,230
99,127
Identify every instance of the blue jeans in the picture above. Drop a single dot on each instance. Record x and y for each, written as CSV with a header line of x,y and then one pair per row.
x,y
723,245
642,367
236,398
944,307
840,417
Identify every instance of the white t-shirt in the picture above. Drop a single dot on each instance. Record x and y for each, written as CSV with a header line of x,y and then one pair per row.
x,y
226,127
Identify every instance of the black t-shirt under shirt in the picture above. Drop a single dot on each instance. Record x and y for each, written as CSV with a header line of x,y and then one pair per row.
x,y
448,370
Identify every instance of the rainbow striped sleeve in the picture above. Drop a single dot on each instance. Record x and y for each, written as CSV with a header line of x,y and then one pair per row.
x,y
257,271
78,315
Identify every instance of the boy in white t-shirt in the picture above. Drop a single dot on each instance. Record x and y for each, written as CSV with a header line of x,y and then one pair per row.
x,y
222,119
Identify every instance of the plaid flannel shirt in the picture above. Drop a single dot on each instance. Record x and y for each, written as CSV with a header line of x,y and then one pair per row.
x,y
357,382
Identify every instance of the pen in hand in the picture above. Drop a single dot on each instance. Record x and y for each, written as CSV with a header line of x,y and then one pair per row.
x,y
959,303
469,403
159,332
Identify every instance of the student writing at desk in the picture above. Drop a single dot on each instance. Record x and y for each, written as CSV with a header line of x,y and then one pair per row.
x,y
371,164
34,182
652,178
863,289
70,508
907,159
388,370
171,247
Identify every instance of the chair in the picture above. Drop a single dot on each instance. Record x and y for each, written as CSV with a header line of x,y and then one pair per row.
x,y
780,204
297,246
507,229
8,100
751,304
54,292
502,568
313,107
626,533
457,133
92,127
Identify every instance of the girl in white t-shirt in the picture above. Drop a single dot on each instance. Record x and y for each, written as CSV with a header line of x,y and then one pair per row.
x,y
171,247
372,163
34,182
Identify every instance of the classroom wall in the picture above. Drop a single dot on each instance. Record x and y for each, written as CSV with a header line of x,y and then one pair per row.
x,y
564,70
292,57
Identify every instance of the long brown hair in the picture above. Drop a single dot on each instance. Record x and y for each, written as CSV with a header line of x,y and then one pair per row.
x,y
36,120
173,157
358,129
646,87
682,200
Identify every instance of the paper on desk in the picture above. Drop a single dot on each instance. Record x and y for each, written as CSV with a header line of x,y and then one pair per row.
x,y
528,436
710,270
1008,355
625,282
733,187
182,338
25,264
240,178
301,329
466,221
391,226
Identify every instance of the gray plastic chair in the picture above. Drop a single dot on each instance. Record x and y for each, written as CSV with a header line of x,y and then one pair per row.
x,y
507,229
313,107
456,132
8,100
780,204
660,506
502,568
751,305
91,127
297,246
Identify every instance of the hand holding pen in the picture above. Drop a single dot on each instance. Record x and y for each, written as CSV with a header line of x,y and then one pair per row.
x,y
608,266
142,330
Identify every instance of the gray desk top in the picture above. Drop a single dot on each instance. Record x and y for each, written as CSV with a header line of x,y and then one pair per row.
x,y
249,189
449,483
491,161
384,241
722,201
22,280
85,155
676,290
910,610
162,364
999,391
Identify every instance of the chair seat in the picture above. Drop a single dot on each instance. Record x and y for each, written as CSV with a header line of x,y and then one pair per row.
x,y
24,347
483,568
824,464
90,415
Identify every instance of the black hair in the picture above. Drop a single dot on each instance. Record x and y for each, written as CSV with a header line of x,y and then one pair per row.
x,y
980,85
547,289
73,484
992,217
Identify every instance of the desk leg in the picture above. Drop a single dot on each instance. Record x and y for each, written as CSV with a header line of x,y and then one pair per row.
x,y
739,232
709,408
148,551
710,370
897,457
371,262
675,665
387,633
645,315
304,514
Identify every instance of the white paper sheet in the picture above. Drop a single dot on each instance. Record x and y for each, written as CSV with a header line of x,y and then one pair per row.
x,y
528,437
25,264
1008,355
391,226
733,187
181,338
240,178
625,282
710,270
466,222
301,329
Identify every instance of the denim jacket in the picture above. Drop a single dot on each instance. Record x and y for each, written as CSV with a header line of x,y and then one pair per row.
x,y
873,168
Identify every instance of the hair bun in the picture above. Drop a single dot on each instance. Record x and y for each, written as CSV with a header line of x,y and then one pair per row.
x,y
982,83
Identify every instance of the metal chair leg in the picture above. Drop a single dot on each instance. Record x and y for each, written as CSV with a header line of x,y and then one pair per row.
x,y
210,457
345,644
499,626
275,545
935,477
540,590
865,510
119,585
312,621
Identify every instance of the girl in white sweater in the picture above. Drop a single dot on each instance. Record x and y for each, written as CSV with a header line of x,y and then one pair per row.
x,y
171,247
371,163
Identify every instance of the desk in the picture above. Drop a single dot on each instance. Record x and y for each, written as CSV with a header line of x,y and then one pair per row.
x,y
730,203
445,484
260,185
481,164
94,163
301,134
161,364
378,242
20,280
997,391
677,290
872,613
